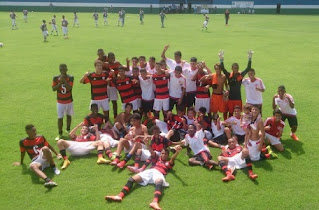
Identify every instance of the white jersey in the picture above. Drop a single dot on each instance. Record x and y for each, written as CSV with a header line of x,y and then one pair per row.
x,y
172,64
235,128
150,70
189,74
176,85
147,88
189,120
196,143
284,105
217,132
253,96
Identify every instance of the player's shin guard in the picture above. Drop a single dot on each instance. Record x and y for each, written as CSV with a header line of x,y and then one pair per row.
x,y
127,187
158,191
108,152
249,165
100,153
63,153
127,158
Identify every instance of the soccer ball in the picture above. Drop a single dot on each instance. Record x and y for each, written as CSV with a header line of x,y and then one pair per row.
x,y
1,44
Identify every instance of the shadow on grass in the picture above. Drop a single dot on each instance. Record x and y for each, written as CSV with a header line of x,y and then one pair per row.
x,y
245,171
294,146
178,177
263,164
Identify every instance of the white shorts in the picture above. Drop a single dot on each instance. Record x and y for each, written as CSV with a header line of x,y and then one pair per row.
x,y
104,104
130,147
163,126
202,102
273,139
149,176
112,93
205,23
76,21
107,138
13,22
65,109
134,103
45,33
145,154
40,159
54,27
65,30
96,21
80,148
25,17
161,104
139,102
236,161
254,152
105,19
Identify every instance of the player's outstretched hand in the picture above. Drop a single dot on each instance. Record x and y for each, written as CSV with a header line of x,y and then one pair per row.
x,y
178,148
16,163
221,54
250,53
166,47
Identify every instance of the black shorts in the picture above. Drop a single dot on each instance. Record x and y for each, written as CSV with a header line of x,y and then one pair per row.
x,y
222,139
178,135
147,106
172,102
291,119
189,99
203,156
241,138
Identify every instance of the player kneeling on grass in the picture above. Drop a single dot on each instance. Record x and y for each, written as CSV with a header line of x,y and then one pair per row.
x,y
233,157
274,127
39,151
195,140
155,175
82,145
44,30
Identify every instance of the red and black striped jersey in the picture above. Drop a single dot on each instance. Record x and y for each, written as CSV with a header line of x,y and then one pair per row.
x,y
232,152
159,144
124,86
161,85
98,85
64,95
115,66
175,122
137,87
276,128
162,166
33,146
200,88
90,120
88,137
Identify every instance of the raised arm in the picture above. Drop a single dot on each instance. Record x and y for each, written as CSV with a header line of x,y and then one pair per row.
x,y
250,55
178,150
221,59
72,133
164,51
84,77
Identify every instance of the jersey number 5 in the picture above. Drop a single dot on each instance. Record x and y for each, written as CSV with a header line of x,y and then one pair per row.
x,y
63,91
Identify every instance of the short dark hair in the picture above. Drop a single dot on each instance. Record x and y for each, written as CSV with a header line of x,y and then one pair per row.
x,y
202,110
191,124
152,58
252,70
136,116
282,87
190,109
94,105
129,104
178,53
142,57
277,111
110,54
135,68
142,70
178,68
237,107
256,106
155,127
63,65
29,127
134,58
194,59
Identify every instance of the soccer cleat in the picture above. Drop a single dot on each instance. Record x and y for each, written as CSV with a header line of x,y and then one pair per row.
x,y
50,184
113,156
58,137
113,198
253,176
269,149
102,161
294,137
56,171
121,164
115,161
154,205
273,155
229,177
132,169
66,163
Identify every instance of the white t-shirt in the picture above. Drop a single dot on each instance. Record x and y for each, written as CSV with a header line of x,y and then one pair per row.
x,y
284,105
189,74
176,85
235,128
147,88
149,69
172,64
196,142
217,132
253,96
189,120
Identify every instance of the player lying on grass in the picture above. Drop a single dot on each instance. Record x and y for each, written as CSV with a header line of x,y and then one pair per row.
x,y
39,151
233,157
155,175
82,145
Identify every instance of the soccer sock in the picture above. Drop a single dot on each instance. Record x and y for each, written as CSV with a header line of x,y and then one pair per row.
x,y
127,187
264,150
268,156
249,165
108,152
158,191
128,157
100,153
63,153
137,161
47,179
223,165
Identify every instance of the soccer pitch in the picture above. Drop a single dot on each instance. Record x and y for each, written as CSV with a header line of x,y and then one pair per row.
x,y
286,53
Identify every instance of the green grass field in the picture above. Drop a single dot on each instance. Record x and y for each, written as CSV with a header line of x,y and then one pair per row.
x,y
286,52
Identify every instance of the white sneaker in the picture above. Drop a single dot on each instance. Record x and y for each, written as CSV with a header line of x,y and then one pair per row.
x,y
50,184
56,171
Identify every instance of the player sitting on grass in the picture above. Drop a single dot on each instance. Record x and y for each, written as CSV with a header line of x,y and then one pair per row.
x,y
155,175
82,145
122,122
274,127
233,157
39,151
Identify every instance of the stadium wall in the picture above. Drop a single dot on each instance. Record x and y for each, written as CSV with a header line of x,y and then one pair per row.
x,y
154,6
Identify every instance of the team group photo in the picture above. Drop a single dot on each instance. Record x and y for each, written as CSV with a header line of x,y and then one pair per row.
x,y
161,105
